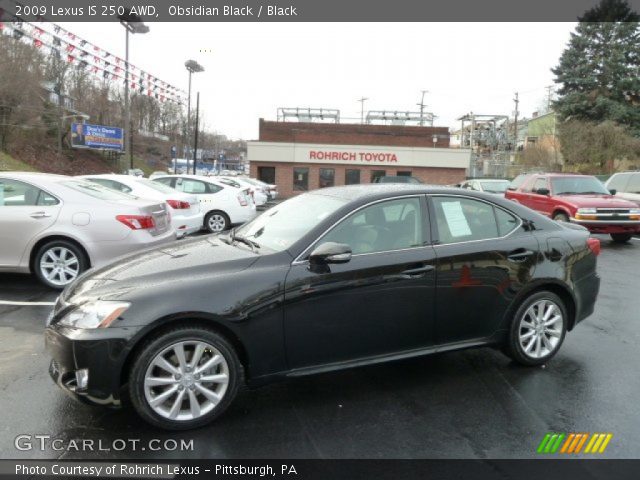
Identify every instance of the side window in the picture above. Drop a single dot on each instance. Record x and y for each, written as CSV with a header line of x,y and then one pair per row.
x,y
464,219
384,226
164,181
19,194
188,185
507,223
540,183
619,181
634,184
212,188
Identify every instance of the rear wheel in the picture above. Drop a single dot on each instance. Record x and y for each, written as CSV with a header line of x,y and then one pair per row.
x,y
621,237
538,329
216,221
184,378
58,263
560,217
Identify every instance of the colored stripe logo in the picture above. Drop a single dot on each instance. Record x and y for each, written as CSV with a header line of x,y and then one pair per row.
x,y
574,443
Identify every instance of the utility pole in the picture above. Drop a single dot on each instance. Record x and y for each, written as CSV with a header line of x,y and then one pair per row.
x,y
422,105
195,142
549,94
515,124
362,100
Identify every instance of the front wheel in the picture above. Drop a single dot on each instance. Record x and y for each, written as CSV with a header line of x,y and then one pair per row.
x,y
184,378
561,217
621,237
216,222
538,329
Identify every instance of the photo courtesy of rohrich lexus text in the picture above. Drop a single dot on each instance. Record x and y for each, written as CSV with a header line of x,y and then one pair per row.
x,y
320,240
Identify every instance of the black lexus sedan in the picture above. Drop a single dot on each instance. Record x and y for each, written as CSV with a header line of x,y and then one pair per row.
x,y
330,279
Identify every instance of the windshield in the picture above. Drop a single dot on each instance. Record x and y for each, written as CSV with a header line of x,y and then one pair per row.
x,y
157,186
495,187
281,226
96,190
578,185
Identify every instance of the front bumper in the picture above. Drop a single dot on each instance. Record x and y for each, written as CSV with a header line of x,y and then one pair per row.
x,y
98,353
609,226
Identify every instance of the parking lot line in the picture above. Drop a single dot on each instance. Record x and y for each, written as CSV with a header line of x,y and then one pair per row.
x,y
20,304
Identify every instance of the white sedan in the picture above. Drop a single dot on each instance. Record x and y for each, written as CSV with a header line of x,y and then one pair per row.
x,y
186,216
259,195
57,226
222,205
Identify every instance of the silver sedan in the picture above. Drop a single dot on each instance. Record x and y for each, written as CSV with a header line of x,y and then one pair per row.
x,y
57,226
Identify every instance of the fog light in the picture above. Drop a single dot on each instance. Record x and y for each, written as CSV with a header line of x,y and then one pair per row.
x,y
82,379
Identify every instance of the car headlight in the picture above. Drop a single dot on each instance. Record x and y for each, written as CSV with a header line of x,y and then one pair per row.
x,y
588,211
98,314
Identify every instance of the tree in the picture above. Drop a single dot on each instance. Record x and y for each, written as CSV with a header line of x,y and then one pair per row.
x,y
599,71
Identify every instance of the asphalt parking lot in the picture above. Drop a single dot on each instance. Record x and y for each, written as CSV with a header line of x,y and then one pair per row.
x,y
469,404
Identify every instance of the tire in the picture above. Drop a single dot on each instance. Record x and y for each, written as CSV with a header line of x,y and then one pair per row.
x,y
59,262
560,217
518,342
216,221
621,237
177,411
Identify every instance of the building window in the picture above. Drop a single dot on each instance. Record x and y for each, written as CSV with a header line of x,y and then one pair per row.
x,y
404,173
375,174
267,175
352,177
301,179
327,177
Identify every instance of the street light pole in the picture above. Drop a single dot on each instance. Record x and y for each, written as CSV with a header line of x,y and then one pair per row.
x,y
132,23
195,142
192,67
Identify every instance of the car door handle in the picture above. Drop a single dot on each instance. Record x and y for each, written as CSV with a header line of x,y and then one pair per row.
x,y
39,215
419,271
520,255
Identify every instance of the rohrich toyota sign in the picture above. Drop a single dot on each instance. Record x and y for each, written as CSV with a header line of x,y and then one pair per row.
x,y
346,156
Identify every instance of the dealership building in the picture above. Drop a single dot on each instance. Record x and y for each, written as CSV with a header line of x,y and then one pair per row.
x,y
301,156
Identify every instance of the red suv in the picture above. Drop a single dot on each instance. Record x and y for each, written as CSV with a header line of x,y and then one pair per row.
x,y
581,199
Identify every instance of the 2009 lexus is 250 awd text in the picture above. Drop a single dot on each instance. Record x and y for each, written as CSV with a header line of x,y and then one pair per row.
x,y
331,279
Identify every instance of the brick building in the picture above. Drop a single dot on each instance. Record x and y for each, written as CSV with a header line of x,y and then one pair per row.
x,y
299,156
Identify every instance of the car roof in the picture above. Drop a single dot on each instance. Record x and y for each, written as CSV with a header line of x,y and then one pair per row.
x,y
36,177
375,190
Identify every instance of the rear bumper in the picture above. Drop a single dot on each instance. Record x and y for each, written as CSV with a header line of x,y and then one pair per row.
x,y
244,215
609,226
187,224
586,290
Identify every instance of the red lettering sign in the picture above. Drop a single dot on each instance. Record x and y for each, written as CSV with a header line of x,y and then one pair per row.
x,y
368,157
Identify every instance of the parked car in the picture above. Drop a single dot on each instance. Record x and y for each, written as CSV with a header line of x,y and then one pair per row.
x,y
495,186
397,179
56,227
331,279
135,172
270,189
259,196
186,216
222,205
157,173
625,185
580,199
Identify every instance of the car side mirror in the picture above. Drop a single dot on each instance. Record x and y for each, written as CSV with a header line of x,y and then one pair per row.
x,y
543,191
330,252
613,191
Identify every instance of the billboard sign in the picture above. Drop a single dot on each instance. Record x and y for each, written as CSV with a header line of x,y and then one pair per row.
x,y
85,135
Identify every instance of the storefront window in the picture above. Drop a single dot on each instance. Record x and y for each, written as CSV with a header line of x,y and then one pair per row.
x,y
301,179
327,177
403,173
267,175
375,174
352,177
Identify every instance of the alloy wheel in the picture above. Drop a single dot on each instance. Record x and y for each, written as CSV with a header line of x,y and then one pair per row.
x,y
540,329
186,380
217,222
59,265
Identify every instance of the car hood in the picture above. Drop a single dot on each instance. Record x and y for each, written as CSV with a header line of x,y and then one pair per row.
x,y
596,201
185,260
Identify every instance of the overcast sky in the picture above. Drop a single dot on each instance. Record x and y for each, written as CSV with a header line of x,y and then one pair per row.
x,y
251,69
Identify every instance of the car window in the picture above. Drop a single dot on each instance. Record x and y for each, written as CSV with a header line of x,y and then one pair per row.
x,y
634,184
384,226
189,185
157,186
465,219
96,190
540,183
105,182
507,222
164,181
519,180
19,194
